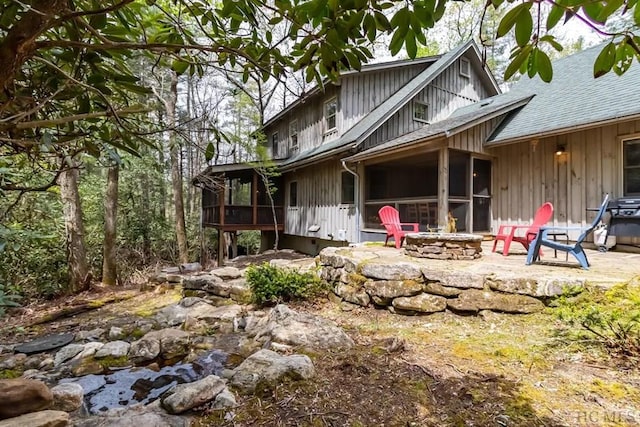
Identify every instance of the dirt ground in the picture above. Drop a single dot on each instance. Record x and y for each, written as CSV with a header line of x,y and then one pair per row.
x,y
436,370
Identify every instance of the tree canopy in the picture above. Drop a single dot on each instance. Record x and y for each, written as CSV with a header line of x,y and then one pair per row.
x,y
71,78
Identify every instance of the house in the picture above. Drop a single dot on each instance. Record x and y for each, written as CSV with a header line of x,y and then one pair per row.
x,y
435,136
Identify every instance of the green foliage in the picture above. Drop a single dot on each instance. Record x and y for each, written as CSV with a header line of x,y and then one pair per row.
x,y
611,317
251,240
273,285
7,299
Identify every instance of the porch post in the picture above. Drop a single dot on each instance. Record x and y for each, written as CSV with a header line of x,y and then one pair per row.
x,y
221,247
254,197
443,187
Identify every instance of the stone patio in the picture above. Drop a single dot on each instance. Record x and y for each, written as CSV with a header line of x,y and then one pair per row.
x,y
373,275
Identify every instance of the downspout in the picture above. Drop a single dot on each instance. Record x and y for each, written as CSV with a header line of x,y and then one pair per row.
x,y
356,197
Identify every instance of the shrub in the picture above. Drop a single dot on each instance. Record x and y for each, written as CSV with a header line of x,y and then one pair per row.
x,y
271,285
610,317
7,299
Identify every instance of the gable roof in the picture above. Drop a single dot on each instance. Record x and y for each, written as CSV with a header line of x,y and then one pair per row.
x,y
369,123
574,99
366,68
462,119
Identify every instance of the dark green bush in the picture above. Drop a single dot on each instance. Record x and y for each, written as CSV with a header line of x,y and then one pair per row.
x,y
271,285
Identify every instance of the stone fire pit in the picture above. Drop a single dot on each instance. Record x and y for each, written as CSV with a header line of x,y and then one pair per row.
x,y
454,246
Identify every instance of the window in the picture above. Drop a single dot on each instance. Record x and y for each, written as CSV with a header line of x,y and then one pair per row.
x,y
421,111
330,110
348,188
293,135
465,67
293,193
631,161
274,145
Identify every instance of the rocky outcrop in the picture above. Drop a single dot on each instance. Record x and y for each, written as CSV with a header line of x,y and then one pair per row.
x,y
20,396
291,328
38,419
167,343
266,368
67,397
187,396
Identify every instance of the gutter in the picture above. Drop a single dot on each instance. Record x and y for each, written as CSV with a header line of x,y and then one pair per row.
x,y
356,197
585,126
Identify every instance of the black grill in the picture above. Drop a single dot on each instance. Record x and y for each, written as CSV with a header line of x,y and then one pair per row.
x,y
625,217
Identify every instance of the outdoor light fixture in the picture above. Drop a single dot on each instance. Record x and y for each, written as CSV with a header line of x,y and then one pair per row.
x,y
560,150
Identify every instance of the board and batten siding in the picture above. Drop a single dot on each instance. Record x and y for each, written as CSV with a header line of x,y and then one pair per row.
x,y
448,92
362,92
319,197
527,174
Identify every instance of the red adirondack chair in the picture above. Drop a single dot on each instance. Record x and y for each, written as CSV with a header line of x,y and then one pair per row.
x,y
390,219
507,233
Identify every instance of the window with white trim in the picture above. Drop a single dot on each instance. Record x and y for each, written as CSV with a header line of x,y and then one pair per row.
x,y
293,135
465,67
274,144
421,111
631,167
330,114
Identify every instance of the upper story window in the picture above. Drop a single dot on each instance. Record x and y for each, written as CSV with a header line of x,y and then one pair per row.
x,y
421,111
631,162
330,113
274,144
465,67
293,135
293,193
348,188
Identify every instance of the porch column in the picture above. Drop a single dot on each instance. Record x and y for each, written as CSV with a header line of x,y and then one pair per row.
x,y
221,247
254,197
443,187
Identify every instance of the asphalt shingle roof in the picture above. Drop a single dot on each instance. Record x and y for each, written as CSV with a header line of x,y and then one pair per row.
x,y
574,98
458,121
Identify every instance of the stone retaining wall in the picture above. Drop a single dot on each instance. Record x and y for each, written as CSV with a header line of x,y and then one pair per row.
x,y
408,288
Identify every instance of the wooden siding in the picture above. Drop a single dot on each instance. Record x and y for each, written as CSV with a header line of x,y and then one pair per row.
x,y
448,92
361,93
528,174
472,139
319,194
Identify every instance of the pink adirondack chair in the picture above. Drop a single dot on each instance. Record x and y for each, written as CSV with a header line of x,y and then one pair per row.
x,y
390,219
507,233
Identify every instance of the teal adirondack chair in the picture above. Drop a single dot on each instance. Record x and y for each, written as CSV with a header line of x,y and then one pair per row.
x,y
574,249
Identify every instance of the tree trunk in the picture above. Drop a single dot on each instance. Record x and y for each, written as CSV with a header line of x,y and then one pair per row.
x,y
109,270
176,175
79,277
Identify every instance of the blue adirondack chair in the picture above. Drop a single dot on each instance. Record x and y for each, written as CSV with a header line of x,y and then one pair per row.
x,y
574,249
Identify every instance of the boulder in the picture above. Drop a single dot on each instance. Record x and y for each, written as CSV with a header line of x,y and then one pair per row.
x,y
396,271
188,396
535,287
67,352
352,294
13,361
92,335
454,278
145,419
227,273
224,399
113,349
20,396
38,419
89,350
116,333
167,343
423,303
436,288
286,326
202,282
67,397
473,300
266,368
389,289
86,366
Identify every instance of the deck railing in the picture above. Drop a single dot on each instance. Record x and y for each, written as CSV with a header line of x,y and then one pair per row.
x,y
241,215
